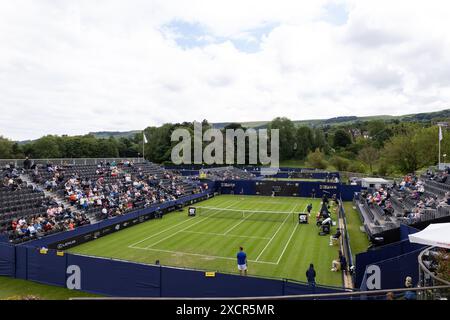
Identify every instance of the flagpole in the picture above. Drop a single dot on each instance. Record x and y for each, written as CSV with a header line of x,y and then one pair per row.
x,y
440,125
143,146
440,135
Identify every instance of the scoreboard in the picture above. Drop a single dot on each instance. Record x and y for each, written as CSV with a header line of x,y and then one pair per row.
x,y
277,188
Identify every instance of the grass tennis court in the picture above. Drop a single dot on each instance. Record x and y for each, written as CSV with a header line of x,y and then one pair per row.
x,y
276,245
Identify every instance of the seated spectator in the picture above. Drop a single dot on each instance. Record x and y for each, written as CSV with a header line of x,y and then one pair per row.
x,y
335,238
409,295
340,263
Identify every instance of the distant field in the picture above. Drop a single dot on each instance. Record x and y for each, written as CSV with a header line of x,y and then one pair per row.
x,y
293,164
14,289
276,245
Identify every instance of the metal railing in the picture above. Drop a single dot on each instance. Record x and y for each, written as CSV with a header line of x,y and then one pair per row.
x,y
67,161
346,238
428,278
357,295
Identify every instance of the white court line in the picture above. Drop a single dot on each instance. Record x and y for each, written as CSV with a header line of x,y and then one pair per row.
x,y
170,228
229,235
191,225
199,255
276,232
246,210
226,232
220,257
287,244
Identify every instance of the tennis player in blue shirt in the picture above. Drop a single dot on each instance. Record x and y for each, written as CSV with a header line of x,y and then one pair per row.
x,y
242,261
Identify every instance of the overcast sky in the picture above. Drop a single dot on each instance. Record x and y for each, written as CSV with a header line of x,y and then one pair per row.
x,y
71,67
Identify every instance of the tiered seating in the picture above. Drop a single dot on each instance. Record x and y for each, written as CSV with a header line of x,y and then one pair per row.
x,y
26,213
19,203
146,168
412,201
110,189
442,186
227,173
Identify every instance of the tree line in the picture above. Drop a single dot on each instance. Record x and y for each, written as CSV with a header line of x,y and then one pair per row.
x,y
86,146
373,147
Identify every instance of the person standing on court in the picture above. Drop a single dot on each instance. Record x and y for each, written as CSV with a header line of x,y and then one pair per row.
x,y
311,276
242,261
309,208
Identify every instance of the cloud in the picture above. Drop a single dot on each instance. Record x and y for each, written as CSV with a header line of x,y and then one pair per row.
x,y
73,67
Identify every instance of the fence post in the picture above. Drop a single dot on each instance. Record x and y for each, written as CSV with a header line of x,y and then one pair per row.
x,y
26,263
160,280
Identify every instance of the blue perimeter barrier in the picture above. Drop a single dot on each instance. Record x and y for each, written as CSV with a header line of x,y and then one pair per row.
x,y
69,239
134,279
303,189
383,253
112,277
125,278
393,271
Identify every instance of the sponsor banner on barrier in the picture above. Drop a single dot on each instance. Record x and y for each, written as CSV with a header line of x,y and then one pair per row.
x,y
328,187
114,227
275,188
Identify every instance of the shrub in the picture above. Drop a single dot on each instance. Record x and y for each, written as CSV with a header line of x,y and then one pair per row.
x,y
316,159
356,166
340,163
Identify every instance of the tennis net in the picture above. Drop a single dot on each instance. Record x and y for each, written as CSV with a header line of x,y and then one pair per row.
x,y
256,215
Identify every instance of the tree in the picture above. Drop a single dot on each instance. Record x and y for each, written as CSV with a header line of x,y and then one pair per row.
x,y
319,140
402,153
379,132
6,148
46,147
235,126
341,139
340,163
286,135
369,155
316,159
159,145
304,142
356,166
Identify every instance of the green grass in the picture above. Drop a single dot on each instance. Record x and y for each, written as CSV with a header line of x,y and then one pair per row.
x,y
281,248
293,163
358,239
14,289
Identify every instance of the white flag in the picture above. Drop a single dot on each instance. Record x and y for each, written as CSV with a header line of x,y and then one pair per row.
x,y
145,138
440,133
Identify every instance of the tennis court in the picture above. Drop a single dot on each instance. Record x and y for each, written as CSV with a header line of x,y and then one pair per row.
x,y
267,228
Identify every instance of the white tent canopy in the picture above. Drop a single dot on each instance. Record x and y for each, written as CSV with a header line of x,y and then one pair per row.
x,y
437,234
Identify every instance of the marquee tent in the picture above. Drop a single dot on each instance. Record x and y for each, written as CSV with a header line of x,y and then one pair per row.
x,y
437,234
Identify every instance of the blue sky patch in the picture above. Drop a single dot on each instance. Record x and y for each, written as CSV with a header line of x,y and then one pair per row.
x,y
336,14
190,35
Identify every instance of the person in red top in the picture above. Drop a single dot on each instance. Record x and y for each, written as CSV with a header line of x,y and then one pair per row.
x,y
47,227
73,198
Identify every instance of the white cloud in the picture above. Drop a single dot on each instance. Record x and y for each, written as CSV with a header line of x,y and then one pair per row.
x,y
71,67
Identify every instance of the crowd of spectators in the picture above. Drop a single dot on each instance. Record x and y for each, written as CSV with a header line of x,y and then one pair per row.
x,y
438,176
410,193
115,188
55,219
226,173
27,213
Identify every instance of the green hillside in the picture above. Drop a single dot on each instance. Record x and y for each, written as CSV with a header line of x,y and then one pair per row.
x,y
348,120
